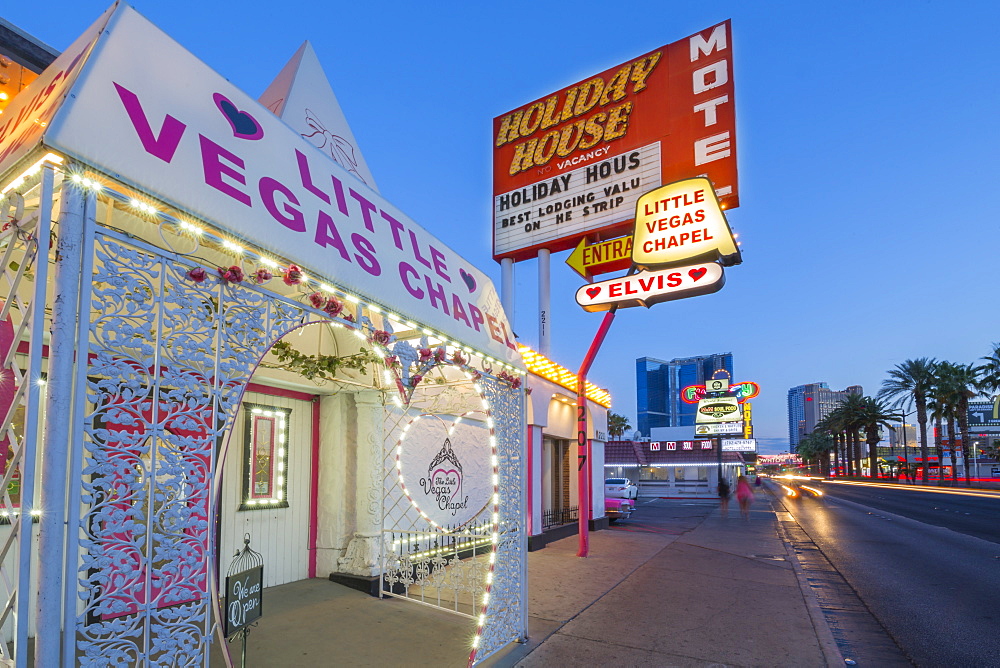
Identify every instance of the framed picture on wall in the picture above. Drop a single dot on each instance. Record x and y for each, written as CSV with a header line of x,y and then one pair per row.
x,y
265,457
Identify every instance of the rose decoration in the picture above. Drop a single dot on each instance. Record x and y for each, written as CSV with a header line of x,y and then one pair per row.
x,y
391,361
380,337
349,317
317,300
232,275
293,275
458,358
439,355
262,276
333,306
415,379
425,354
198,274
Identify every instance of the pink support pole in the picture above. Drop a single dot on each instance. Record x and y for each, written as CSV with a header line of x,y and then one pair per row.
x,y
582,443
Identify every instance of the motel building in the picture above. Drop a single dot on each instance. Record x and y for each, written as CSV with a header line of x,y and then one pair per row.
x,y
213,329
682,468
553,497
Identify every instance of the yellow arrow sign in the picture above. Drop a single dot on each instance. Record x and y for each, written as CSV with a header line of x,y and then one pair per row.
x,y
589,260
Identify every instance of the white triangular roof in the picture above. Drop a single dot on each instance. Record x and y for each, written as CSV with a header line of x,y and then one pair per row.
x,y
302,97
132,103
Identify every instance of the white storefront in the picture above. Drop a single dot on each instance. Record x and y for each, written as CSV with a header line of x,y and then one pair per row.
x,y
553,455
214,329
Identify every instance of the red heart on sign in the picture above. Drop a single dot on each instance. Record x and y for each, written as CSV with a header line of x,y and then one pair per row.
x,y
695,274
593,292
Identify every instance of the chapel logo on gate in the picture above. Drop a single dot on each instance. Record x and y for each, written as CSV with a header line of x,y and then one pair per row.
x,y
444,481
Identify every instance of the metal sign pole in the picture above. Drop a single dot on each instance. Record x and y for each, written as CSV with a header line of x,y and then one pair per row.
x,y
583,467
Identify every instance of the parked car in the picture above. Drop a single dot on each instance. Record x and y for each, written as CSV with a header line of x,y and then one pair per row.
x,y
618,509
620,488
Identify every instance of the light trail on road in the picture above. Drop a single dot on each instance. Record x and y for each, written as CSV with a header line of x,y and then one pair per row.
x,y
984,493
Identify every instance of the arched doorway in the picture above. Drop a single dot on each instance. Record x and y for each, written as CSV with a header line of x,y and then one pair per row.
x,y
171,395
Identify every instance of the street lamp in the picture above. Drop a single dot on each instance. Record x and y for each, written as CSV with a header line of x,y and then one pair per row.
x,y
902,429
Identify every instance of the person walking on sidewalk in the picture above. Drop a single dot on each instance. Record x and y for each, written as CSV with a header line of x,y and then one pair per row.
x,y
744,494
723,497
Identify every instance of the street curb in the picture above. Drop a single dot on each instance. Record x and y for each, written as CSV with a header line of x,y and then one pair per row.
x,y
824,636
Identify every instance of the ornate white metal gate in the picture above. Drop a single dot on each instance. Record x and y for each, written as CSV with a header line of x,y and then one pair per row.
x,y
162,359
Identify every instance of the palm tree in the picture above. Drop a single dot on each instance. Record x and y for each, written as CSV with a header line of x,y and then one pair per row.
x,y
989,373
874,413
816,447
835,423
941,402
852,408
617,425
825,426
955,385
908,385
966,385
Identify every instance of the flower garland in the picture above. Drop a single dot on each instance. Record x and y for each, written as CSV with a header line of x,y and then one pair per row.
x,y
322,367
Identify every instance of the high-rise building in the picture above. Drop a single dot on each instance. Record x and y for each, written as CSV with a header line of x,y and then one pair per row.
x,y
810,403
659,384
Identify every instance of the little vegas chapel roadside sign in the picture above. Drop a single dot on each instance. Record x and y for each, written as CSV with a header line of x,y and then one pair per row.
x,y
680,245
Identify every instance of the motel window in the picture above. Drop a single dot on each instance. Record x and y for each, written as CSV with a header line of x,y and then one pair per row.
x,y
265,457
691,474
653,473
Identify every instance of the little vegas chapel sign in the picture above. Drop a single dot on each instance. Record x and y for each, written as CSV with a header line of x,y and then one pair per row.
x,y
674,225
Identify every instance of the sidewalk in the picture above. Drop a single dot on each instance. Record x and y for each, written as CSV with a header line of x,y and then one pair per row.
x,y
676,585
688,589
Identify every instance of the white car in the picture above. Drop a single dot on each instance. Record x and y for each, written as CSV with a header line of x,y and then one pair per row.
x,y
620,488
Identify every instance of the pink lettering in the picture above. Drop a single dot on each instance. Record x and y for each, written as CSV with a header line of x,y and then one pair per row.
x,y
405,271
416,251
436,293
327,234
211,157
291,218
366,210
306,178
366,254
165,144
495,332
396,228
458,312
439,264
477,316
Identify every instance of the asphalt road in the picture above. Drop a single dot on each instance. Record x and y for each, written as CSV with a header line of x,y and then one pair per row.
x,y
926,564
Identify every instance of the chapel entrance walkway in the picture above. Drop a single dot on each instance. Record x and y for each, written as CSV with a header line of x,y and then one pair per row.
x,y
319,623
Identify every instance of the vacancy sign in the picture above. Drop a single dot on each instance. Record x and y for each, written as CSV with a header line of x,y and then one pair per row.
x,y
680,222
652,287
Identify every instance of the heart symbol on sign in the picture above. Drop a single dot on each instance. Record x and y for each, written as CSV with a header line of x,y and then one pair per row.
x,y
453,472
695,274
244,125
470,280
593,292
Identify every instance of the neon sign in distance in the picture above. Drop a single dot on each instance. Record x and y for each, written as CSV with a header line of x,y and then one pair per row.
x,y
720,409
692,394
682,222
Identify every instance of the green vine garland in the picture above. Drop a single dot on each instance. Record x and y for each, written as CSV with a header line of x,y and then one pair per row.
x,y
322,367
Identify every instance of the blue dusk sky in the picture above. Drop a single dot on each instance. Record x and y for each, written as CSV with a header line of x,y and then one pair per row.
x,y
867,140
